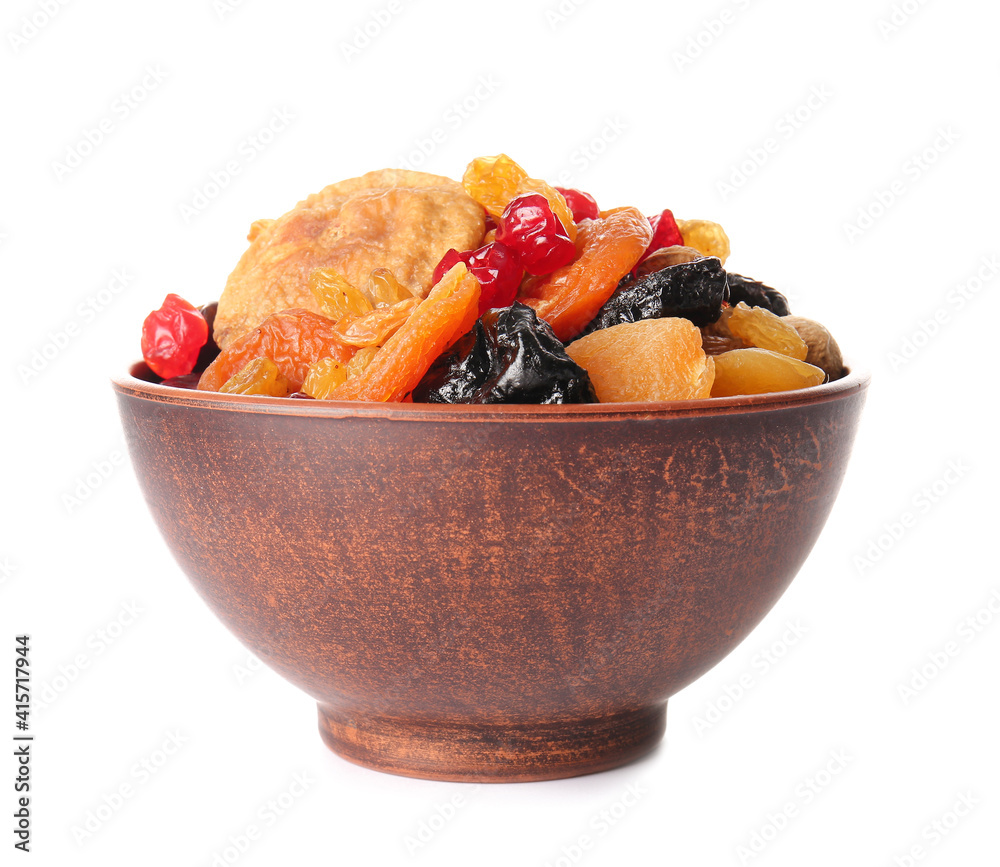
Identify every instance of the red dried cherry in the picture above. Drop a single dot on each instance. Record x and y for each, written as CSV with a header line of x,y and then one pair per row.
x,y
172,337
529,226
665,233
583,205
498,269
448,261
496,266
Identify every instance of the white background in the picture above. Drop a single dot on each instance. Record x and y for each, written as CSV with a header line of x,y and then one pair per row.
x,y
875,204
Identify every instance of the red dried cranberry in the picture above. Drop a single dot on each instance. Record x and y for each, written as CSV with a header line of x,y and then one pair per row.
x,y
583,205
172,337
529,226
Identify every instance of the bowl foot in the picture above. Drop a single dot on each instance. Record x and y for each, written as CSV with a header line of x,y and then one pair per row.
x,y
492,753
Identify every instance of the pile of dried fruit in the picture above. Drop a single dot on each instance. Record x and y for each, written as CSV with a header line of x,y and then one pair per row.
x,y
402,285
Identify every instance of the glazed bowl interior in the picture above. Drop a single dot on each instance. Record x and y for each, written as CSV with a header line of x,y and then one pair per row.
x,y
490,592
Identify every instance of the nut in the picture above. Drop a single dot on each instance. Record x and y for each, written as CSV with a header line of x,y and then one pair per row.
x,y
665,257
823,349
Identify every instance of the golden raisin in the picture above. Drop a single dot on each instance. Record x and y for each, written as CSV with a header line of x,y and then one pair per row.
x,y
384,289
336,297
706,237
324,376
757,326
362,358
260,376
374,328
758,371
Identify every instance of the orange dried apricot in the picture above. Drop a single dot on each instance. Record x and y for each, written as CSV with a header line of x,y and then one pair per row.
x,y
260,376
653,359
759,371
293,339
607,249
394,370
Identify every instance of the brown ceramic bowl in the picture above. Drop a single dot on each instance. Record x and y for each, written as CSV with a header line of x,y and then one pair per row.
x,y
490,593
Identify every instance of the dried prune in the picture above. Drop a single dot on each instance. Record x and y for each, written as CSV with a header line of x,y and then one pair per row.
x,y
510,356
756,295
692,290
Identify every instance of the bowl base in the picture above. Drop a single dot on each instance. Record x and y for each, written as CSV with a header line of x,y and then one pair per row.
x,y
492,753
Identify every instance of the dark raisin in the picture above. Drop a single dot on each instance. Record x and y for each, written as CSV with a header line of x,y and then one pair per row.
x,y
756,294
510,356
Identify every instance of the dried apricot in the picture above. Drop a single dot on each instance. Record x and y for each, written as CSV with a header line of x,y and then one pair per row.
x,y
607,249
444,315
654,359
708,238
759,371
260,376
293,339
758,327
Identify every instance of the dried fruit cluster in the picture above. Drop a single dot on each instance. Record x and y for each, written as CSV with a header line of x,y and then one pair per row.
x,y
401,285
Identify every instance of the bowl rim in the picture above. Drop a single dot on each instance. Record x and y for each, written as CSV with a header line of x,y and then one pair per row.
x,y
133,384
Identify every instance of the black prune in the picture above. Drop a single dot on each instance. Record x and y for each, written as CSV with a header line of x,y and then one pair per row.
x,y
694,290
510,356
755,294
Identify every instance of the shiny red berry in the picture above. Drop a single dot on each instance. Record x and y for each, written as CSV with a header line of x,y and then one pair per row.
x,y
583,205
665,232
172,337
529,226
498,269
448,261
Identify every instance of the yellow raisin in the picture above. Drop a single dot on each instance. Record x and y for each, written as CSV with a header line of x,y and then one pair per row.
x,y
336,297
493,182
362,358
758,371
260,376
323,377
708,238
759,327
384,289
375,328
